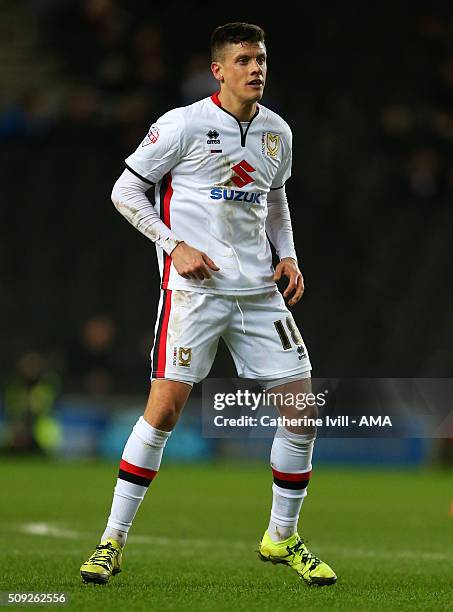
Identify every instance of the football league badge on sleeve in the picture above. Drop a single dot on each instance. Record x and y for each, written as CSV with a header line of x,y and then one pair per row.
x,y
152,136
270,144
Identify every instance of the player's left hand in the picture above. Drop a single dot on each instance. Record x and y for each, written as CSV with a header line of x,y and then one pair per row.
x,y
288,267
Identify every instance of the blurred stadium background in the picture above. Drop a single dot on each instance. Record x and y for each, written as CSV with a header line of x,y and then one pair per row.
x,y
368,92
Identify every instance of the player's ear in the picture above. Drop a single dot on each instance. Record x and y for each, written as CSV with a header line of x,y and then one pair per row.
x,y
217,71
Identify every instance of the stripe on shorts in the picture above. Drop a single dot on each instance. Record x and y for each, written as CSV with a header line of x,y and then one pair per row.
x,y
160,342
135,474
291,481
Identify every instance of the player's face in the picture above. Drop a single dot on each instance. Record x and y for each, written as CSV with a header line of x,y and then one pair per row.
x,y
243,70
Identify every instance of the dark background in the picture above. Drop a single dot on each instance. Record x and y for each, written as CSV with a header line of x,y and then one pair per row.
x,y
368,92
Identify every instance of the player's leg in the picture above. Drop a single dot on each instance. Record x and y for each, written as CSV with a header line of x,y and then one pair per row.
x,y
139,465
142,455
291,462
268,347
291,454
183,353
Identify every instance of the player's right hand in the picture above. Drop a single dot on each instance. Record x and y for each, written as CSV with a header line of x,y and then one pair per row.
x,y
192,263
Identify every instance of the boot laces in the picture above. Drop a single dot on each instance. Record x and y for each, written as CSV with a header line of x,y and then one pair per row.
x,y
306,556
103,554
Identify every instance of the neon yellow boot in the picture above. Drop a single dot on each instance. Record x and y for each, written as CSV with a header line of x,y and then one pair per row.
x,y
103,563
295,554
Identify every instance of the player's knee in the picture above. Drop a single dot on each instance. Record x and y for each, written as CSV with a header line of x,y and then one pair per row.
x,y
164,418
163,412
168,419
171,411
294,397
310,410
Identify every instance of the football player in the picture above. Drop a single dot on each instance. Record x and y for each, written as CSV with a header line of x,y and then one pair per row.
x,y
219,167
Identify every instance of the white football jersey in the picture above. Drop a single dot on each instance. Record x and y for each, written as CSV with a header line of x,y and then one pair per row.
x,y
212,178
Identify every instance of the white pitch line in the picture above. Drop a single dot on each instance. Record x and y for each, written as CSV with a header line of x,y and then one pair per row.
x,y
198,543
357,552
382,554
47,529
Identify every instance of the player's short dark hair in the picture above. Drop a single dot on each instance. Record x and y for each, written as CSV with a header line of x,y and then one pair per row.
x,y
234,33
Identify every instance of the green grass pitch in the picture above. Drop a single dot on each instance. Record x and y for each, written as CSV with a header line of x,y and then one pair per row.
x,y
387,534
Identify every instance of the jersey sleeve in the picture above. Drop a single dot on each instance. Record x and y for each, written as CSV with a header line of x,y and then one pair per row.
x,y
161,148
284,170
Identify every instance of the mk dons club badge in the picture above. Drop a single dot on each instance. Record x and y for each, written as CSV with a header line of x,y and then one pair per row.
x,y
270,144
184,356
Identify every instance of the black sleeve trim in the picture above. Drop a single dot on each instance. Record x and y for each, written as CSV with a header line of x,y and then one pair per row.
x,y
275,188
142,178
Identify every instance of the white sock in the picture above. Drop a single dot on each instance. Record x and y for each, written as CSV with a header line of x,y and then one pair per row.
x,y
285,511
291,466
139,465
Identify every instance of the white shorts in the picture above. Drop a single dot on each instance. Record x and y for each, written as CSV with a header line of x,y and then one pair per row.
x,y
259,331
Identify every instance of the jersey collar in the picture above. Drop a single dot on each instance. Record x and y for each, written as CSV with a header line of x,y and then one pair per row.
x,y
216,101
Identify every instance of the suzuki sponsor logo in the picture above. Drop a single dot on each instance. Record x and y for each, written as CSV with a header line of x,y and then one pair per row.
x,y
242,176
220,193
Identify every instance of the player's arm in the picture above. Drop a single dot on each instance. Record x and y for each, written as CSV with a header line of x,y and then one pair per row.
x,y
162,149
129,197
280,232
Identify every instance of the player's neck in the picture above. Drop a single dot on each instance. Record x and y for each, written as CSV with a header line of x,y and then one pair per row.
x,y
242,111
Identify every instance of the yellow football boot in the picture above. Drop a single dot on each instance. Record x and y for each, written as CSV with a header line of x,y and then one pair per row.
x,y
294,553
103,563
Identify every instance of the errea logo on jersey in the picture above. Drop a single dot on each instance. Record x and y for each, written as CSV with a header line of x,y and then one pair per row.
x,y
213,137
